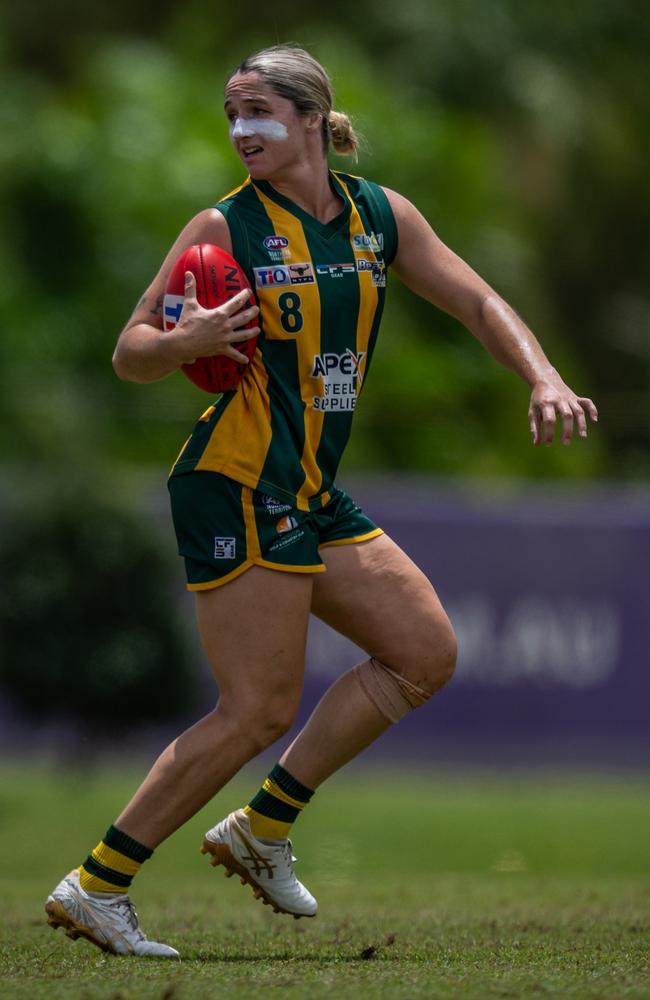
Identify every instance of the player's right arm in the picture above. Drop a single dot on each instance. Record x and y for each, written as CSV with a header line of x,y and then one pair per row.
x,y
145,352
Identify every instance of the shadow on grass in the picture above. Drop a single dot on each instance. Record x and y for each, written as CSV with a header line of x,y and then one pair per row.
x,y
293,959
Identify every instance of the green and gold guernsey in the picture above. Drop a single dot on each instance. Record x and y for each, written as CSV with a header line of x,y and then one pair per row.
x,y
320,288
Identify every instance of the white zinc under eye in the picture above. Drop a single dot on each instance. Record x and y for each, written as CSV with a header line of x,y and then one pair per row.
x,y
266,128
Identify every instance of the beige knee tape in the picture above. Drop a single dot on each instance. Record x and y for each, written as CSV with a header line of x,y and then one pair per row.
x,y
390,693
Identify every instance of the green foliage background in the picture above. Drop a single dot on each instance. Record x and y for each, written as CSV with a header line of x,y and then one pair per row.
x,y
520,130
88,628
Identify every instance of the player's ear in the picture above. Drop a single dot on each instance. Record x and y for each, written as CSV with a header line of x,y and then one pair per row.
x,y
314,121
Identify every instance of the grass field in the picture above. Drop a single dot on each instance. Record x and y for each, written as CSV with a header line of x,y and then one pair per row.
x,y
455,886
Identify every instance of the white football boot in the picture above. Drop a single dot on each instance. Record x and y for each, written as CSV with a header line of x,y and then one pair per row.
x,y
267,866
108,920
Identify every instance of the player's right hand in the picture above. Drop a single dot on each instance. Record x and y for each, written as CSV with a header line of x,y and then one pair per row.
x,y
201,333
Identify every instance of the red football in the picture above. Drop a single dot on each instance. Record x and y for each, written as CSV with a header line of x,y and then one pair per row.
x,y
218,278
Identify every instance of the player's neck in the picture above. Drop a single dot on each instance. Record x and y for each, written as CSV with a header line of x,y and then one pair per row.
x,y
308,186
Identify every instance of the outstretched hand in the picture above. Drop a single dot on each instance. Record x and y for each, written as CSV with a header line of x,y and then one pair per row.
x,y
551,399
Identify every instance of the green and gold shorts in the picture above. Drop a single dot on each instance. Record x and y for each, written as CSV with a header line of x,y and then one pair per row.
x,y
223,528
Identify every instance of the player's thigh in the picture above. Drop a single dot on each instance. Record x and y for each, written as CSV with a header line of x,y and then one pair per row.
x,y
374,594
254,631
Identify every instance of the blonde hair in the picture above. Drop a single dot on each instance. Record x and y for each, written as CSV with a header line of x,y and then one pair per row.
x,y
291,72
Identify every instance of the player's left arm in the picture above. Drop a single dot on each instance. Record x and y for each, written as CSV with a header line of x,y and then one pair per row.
x,y
437,274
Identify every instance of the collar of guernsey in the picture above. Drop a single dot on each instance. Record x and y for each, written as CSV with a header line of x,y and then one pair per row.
x,y
321,290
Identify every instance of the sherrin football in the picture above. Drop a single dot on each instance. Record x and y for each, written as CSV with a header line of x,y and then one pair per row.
x,y
218,277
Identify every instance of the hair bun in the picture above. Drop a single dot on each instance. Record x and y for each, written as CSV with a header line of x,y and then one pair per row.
x,y
344,138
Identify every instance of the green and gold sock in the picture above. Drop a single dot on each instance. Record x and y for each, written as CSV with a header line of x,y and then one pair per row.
x,y
113,864
277,805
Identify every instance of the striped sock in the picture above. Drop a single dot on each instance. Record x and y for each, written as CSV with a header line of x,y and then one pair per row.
x,y
113,864
276,805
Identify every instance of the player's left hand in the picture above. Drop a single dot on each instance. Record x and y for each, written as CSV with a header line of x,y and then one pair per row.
x,y
551,399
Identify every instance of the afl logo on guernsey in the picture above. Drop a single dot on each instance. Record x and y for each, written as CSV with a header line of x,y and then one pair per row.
x,y
276,242
277,248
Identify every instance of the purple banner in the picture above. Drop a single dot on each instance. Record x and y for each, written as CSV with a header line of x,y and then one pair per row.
x,y
549,593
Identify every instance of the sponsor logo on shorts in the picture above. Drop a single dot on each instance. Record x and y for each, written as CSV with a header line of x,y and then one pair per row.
x,y
286,524
335,270
282,275
225,548
275,506
341,380
364,241
288,539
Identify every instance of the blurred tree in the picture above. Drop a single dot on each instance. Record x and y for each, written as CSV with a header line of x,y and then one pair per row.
x,y
88,629
520,131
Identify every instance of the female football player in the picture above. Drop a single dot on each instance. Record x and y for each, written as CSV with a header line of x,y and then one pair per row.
x,y
258,516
